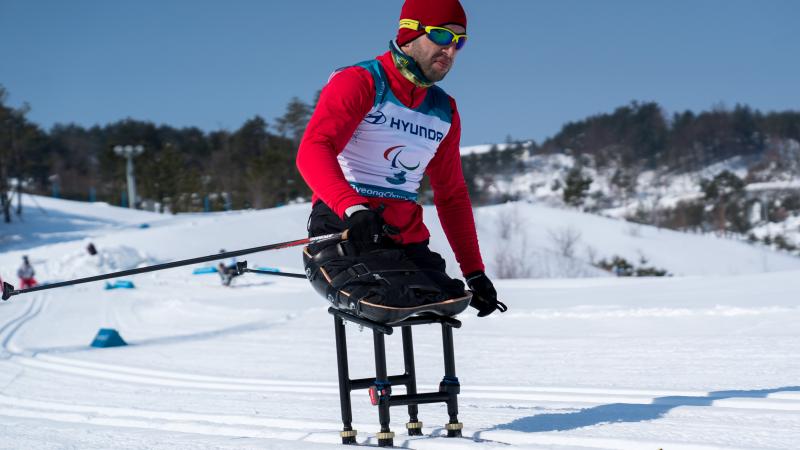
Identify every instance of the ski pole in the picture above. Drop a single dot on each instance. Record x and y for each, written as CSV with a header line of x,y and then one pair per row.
x,y
241,267
8,289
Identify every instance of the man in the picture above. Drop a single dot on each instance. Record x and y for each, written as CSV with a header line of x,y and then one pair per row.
x,y
227,270
26,274
378,127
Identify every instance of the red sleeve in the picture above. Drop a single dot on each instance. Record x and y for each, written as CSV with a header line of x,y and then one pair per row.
x,y
343,103
451,198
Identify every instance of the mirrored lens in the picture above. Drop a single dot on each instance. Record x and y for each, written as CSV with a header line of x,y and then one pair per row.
x,y
460,43
441,36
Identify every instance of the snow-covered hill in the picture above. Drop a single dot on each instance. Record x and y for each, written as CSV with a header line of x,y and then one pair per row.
x,y
631,192
522,239
705,359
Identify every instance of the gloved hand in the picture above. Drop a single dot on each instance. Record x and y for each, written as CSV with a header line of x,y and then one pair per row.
x,y
365,229
484,297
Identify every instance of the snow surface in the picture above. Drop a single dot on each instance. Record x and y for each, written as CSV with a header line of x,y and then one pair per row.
x,y
481,148
705,359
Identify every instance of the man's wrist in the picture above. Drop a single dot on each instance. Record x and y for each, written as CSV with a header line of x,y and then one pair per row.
x,y
471,276
354,209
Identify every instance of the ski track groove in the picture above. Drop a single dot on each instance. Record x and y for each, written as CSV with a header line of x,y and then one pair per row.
x,y
298,430
10,328
325,432
210,424
785,401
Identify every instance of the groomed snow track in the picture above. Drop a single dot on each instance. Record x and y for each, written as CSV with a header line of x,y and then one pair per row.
x,y
700,409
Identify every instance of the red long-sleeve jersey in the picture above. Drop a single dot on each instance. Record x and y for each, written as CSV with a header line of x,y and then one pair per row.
x,y
343,104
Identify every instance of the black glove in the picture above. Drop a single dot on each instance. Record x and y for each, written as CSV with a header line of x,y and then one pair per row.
x,y
484,297
365,229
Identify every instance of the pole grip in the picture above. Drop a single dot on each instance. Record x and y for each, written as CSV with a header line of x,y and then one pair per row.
x,y
8,291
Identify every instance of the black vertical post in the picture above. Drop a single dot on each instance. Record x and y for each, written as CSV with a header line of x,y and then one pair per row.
x,y
385,436
450,382
348,434
380,387
414,426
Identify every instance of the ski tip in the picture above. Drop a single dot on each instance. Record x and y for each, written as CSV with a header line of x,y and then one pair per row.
x,y
8,291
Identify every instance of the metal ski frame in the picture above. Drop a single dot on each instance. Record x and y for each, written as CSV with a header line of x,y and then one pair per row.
x,y
380,387
9,291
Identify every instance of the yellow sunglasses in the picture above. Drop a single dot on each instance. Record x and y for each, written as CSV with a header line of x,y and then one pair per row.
x,y
439,35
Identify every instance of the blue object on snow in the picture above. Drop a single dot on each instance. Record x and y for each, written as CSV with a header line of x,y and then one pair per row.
x,y
108,337
269,269
144,225
120,284
204,270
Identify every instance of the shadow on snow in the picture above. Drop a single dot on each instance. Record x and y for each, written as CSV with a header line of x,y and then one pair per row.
x,y
627,412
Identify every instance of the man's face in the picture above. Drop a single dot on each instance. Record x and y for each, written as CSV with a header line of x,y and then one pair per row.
x,y
434,60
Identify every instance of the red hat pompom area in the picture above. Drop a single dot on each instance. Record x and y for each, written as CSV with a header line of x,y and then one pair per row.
x,y
430,12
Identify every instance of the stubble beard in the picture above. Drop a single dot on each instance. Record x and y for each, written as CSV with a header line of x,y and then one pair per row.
x,y
433,74
426,64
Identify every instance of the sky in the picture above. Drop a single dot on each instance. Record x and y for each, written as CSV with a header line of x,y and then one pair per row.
x,y
529,66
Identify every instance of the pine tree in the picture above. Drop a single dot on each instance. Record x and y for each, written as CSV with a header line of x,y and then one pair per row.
x,y
164,168
293,122
23,151
725,192
576,186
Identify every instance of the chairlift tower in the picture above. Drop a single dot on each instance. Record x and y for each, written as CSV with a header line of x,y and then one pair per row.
x,y
129,152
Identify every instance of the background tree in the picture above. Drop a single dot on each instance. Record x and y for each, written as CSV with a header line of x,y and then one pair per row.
x,y
726,193
165,169
576,186
292,123
254,165
22,151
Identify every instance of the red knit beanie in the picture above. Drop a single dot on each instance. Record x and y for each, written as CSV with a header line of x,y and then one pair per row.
x,y
430,12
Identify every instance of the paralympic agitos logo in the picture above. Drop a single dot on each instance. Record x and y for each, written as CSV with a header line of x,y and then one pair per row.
x,y
394,153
